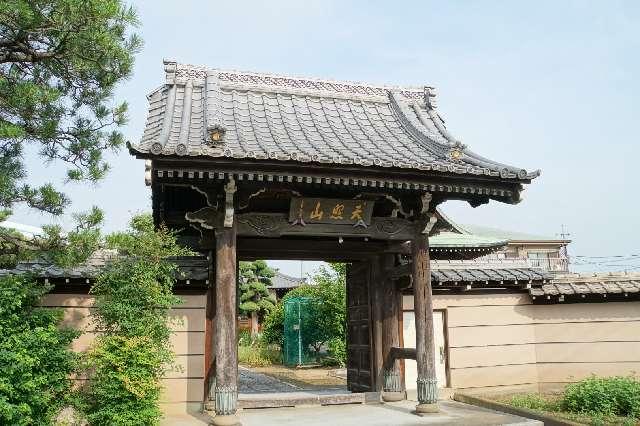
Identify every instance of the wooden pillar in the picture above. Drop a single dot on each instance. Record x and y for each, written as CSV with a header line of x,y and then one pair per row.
x,y
423,306
209,366
392,386
377,302
226,349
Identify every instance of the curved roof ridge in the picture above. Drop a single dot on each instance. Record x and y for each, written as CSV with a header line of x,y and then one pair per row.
x,y
178,70
459,228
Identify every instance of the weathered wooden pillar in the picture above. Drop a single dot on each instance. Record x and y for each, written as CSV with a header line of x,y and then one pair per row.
x,y
226,350
392,385
209,366
377,301
423,308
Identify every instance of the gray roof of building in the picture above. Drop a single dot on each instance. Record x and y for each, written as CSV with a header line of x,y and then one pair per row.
x,y
579,286
484,231
281,280
265,116
489,275
189,267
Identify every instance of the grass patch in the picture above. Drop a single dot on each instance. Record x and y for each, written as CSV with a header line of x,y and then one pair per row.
x,y
557,405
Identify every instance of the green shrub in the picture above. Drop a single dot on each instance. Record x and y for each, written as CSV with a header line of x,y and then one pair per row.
x,y
129,358
338,351
606,396
35,358
244,338
258,353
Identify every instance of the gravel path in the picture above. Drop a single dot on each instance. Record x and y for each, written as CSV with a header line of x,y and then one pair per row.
x,y
250,381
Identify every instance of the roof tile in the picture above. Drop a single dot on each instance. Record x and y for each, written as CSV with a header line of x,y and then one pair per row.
x,y
285,118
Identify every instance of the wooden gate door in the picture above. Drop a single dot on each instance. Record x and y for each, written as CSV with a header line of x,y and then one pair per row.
x,y
359,353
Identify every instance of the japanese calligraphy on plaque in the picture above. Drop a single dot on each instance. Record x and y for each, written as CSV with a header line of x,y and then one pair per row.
x,y
329,210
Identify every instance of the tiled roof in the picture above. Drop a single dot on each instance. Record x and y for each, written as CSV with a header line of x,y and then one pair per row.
x,y
502,234
262,116
489,275
455,240
576,286
189,267
281,280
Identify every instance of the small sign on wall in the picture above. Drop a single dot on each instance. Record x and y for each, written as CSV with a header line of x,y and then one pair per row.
x,y
330,210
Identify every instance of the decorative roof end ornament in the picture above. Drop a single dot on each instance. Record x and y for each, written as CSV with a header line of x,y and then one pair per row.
x,y
455,153
216,134
430,97
148,167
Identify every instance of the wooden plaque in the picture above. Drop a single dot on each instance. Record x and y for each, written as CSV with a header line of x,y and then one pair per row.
x,y
330,210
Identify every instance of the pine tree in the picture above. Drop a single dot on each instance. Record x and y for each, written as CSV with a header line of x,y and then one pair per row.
x,y
60,61
255,299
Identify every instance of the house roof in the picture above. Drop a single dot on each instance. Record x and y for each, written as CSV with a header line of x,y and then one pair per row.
x,y
264,116
189,268
26,230
601,286
496,274
487,232
281,280
455,240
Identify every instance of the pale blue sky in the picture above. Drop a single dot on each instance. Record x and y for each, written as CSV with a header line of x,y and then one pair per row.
x,y
538,84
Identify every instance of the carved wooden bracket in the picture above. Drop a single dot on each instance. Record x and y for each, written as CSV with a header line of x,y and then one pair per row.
x,y
230,189
209,194
426,201
205,217
433,218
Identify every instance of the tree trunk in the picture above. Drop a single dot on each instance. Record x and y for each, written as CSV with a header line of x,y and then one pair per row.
x,y
254,325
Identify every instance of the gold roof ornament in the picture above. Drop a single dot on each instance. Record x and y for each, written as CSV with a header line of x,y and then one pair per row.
x,y
216,134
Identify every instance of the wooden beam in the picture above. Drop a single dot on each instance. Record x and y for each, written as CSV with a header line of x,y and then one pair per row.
x,y
307,249
275,225
423,307
403,353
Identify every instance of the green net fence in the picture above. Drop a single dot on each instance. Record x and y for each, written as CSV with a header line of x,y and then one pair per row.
x,y
297,323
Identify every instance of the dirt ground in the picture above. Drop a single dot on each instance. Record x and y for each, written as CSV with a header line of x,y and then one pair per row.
x,y
306,377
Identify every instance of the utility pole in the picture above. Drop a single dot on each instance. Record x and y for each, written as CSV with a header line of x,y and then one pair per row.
x,y
563,252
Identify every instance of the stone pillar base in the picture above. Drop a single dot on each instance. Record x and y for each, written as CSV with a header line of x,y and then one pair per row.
x,y
226,420
393,396
422,409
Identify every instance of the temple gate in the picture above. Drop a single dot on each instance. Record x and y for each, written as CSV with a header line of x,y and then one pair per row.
x,y
254,166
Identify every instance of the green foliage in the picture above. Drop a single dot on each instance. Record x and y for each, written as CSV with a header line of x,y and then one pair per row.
x,y
35,359
327,318
605,396
60,61
254,295
259,354
133,298
337,348
533,401
54,246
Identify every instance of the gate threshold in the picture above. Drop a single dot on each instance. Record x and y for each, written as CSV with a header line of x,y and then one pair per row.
x,y
295,399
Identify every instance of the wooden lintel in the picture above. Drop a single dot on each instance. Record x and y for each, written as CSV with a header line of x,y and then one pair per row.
x,y
307,249
274,225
